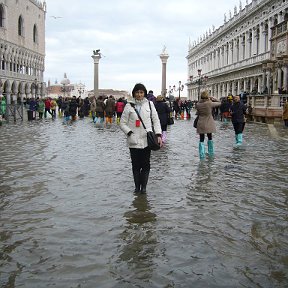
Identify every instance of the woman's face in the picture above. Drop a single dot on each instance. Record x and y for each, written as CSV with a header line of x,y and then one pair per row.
x,y
139,95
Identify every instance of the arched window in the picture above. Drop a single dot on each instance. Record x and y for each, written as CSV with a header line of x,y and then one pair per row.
x,y
20,26
1,16
35,34
250,44
244,46
257,38
266,40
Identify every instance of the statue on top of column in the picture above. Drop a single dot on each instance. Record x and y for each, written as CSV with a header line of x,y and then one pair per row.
x,y
96,52
164,50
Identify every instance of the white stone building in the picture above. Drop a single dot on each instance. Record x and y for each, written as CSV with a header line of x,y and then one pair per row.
x,y
249,52
22,49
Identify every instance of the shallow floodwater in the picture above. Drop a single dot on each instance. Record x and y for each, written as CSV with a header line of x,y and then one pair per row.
x,y
69,217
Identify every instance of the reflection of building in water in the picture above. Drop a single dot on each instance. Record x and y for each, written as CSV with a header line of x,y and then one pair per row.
x,y
248,54
140,241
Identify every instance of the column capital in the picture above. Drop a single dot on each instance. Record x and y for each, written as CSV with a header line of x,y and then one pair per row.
x,y
164,57
96,58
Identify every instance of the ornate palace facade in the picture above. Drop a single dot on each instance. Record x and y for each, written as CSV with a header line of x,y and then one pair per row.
x,y
22,49
248,53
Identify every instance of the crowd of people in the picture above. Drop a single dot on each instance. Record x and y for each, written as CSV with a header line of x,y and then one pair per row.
x,y
144,112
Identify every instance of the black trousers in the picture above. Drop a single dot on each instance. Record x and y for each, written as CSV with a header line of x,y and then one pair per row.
x,y
140,159
238,127
202,137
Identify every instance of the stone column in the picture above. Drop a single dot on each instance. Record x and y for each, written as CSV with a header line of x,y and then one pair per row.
x,y
238,88
270,24
233,88
268,81
8,104
251,84
219,90
264,82
96,57
259,85
279,82
227,88
164,56
285,78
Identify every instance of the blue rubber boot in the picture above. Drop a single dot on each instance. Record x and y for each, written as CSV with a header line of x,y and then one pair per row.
x,y
239,139
236,139
201,150
210,148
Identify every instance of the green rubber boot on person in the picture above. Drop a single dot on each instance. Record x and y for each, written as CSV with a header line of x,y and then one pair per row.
x,y
210,148
201,150
239,139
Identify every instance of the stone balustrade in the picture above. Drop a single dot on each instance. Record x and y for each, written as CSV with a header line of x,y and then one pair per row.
x,y
266,108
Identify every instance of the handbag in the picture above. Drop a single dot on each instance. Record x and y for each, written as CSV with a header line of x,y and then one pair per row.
x,y
152,139
196,122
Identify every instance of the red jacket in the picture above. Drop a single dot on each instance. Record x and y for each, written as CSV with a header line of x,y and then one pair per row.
x,y
120,107
48,103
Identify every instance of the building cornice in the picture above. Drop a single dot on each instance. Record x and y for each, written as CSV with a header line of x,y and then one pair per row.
x,y
229,26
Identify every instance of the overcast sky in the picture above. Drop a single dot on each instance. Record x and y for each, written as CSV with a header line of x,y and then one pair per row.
x,y
131,35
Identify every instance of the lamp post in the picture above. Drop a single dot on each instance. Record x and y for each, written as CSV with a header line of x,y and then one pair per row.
x,y
80,89
190,82
180,88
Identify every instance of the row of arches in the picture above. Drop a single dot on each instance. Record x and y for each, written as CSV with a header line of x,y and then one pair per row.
x,y
16,91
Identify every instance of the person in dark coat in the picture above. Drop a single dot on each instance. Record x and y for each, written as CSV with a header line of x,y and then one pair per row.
x,y
163,111
100,107
150,96
73,107
110,109
238,110
225,110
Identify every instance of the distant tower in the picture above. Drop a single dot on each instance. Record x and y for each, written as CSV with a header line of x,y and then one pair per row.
x,y
164,57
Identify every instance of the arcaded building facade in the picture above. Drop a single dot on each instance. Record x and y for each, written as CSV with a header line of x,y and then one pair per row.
x,y
22,49
248,53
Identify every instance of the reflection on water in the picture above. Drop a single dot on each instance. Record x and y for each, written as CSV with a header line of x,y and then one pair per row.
x,y
69,217
140,242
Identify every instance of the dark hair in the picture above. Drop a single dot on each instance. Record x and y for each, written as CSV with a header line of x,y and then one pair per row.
x,y
137,87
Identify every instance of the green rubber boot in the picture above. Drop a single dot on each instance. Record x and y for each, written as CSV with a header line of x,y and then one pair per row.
x,y
201,150
210,148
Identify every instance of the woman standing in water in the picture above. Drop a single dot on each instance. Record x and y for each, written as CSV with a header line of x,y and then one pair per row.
x,y
206,123
131,125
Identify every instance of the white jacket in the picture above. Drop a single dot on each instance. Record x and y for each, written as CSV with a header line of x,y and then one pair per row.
x,y
138,139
